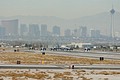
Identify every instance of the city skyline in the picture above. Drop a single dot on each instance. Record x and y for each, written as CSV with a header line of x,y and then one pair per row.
x,y
9,30
67,14
75,26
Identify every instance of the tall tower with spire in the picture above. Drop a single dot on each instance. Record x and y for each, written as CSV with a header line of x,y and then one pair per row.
x,y
112,11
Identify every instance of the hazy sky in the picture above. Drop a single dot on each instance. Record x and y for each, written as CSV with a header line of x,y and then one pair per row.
x,y
61,8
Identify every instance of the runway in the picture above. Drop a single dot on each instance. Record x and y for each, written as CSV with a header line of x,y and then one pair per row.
x,y
106,55
21,66
89,54
76,66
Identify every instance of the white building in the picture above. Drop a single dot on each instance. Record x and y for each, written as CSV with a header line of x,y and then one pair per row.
x,y
81,45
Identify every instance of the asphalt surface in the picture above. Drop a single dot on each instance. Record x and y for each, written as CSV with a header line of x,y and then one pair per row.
x,y
97,67
106,55
20,66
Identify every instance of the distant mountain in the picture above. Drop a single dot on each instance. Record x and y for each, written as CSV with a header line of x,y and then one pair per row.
x,y
36,19
99,21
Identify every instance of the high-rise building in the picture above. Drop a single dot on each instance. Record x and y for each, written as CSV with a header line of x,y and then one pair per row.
x,y
95,34
75,33
67,32
23,29
2,31
56,31
34,30
11,27
83,31
44,30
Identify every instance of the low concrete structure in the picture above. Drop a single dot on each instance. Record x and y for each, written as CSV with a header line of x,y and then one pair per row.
x,y
82,45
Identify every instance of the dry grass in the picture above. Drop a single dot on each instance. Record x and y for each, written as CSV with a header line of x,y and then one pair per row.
x,y
84,78
15,75
31,58
67,73
63,76
106,79
80,72
4,49
109,73
58,75
53,75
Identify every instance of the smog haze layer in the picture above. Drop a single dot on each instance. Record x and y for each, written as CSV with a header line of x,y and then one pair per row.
x,y
67,9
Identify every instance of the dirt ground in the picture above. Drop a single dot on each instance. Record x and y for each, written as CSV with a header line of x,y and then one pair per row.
x,y
34,58
61,74
67,74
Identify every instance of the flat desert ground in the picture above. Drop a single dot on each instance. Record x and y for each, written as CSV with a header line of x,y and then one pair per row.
x,y
54,74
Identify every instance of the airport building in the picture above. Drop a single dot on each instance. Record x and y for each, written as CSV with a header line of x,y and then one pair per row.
x,y
82,45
